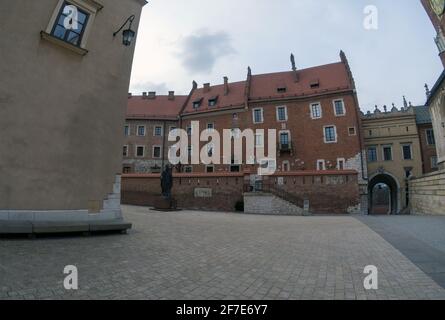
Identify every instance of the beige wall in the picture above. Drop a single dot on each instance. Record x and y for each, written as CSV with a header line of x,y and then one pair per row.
x,y
393,129
437,107
61,113
428,194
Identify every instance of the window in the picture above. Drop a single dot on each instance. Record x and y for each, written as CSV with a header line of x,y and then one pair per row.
x,y
341,163
281,90
430,140
339,108
190,150
210,169
259,140
156,151
140,151
126,170
189,130
434,162
127,130
321,165
210,127
210,148
158,131
197,104
141,131
235,168
387,153
286,166
125,151
258,115
330,134
407,152
70,24
213,101
316,111
351,131
188,169
172,130
282,113
284,139
372,154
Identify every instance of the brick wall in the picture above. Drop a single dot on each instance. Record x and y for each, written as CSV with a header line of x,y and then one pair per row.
x,y
327,192
428,194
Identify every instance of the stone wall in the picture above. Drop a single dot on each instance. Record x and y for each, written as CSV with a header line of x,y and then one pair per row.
x,y
266,203
428,194
327,192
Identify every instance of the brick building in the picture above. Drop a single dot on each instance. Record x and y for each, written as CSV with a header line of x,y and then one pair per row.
x,y
149,120
314,111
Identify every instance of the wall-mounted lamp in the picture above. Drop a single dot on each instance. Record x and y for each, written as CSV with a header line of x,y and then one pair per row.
x,y
128,34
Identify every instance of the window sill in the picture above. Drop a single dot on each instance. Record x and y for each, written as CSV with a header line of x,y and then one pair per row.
x,y
66,45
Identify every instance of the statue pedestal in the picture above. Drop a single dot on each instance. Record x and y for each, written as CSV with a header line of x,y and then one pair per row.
x,y
164,204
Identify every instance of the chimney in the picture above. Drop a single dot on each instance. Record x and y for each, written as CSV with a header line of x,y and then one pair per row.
x,y
195,85
294,68
171,95
144,95
226,86
206,87
152,95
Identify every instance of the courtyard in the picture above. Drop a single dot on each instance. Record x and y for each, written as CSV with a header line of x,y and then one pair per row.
x,y
211,255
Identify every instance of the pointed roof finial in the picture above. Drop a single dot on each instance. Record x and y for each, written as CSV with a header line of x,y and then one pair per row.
x,y
195,85
427,90
292,60
405,104
249,71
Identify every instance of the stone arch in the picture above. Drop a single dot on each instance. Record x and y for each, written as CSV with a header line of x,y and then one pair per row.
x,y
394,186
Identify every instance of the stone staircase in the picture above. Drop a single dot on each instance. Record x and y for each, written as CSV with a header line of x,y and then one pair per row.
x,y
269,203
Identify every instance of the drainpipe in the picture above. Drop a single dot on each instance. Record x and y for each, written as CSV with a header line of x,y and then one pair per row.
x,y
163,145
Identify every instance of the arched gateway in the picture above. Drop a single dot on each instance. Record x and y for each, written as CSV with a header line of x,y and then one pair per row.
x,y
384,194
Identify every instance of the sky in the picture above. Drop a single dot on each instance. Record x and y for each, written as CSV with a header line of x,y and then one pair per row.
x,y
204,40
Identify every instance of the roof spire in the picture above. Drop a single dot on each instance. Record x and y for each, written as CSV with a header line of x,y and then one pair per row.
x,y
292,60
427,90
405,103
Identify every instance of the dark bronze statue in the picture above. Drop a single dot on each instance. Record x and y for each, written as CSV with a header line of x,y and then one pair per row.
x,y
167,182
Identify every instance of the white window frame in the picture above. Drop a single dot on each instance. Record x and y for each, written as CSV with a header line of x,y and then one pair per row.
x,y
434,166
262,115
426,137
285,162
162,130
285,113
213,126
145,131
324,164
136,151
129,130
335,131
91,7
171,128
383,152
338,163
411,151
128,150
335,109
153,152
311,111
355,131
376,154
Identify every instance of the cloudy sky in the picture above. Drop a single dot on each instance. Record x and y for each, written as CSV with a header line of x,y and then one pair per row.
x,y
205,40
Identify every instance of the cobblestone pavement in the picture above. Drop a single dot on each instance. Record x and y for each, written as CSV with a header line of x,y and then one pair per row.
x,y
420,238
202,255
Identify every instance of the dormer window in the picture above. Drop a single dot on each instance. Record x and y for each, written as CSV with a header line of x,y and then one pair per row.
x,y
197,104
281,89
213,101
314,84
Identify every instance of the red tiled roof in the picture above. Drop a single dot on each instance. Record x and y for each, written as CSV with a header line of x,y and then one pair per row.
x,y
158,108
331,77
235,97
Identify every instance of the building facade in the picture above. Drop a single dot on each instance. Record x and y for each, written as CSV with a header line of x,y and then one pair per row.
x,y
436,12
314,111
150,118
394,155
63,90
427,139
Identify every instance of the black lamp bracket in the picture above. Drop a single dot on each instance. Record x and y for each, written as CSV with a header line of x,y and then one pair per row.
x,y
131,19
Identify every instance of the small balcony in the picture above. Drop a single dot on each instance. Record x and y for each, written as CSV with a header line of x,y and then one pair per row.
x,y
285,147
